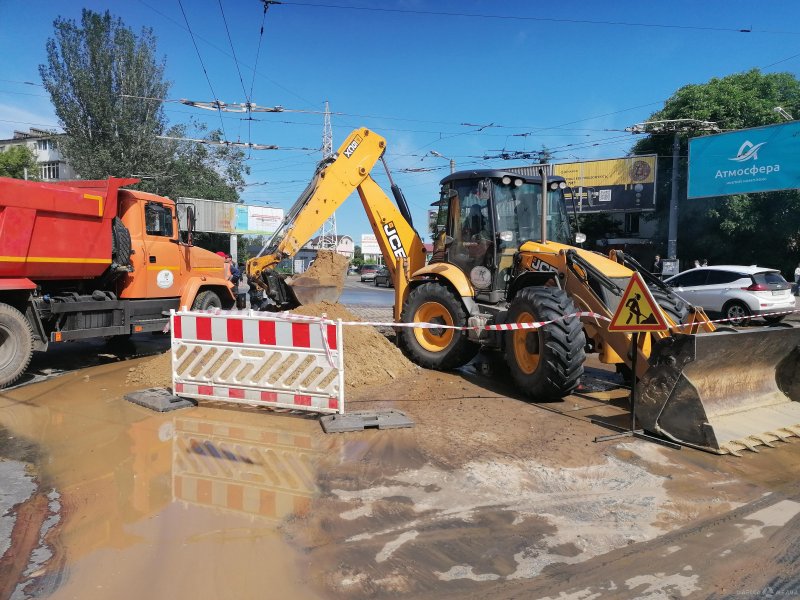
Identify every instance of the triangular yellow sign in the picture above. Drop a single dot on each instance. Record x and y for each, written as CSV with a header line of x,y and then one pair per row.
x,y
638,310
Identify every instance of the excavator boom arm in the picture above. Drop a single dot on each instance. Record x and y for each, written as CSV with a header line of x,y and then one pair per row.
x,y
335,179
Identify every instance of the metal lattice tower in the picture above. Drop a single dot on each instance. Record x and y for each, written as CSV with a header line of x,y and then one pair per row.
x,y
328,238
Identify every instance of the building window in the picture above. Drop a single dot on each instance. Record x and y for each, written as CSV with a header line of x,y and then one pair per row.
x,y
632,223
49,170
45,145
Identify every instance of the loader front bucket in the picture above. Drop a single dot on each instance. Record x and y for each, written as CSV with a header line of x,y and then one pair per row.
x,y
724,391
311,290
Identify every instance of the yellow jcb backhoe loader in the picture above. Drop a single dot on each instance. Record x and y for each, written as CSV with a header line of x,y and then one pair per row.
x,y
504,253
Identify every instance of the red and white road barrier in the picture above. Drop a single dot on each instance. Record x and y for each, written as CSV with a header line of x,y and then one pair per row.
x,y
258,358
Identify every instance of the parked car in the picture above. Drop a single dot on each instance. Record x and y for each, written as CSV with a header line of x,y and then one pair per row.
x,y
383,277
735,292
368,272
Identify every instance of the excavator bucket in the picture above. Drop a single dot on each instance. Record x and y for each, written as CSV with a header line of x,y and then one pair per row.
x,y
323,281
724,391
311,289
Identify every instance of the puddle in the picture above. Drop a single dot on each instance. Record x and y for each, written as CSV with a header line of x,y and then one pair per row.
x,y
181,504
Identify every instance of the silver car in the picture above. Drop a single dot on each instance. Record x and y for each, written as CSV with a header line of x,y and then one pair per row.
x,y
736,292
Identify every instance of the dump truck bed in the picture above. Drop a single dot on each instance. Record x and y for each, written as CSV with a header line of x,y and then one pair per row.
x,y
56,230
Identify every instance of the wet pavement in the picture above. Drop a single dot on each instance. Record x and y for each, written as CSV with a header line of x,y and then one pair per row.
x,y
487,497
112,500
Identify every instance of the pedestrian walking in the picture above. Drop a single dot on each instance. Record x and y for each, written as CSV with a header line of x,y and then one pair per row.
x,y
658,266
797,280
696,263
705,262
241,289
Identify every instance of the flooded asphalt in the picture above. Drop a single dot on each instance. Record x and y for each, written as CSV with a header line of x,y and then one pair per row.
x,y
102,498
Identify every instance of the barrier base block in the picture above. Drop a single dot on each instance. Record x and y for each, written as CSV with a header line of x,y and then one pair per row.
x,y
159,399
367,419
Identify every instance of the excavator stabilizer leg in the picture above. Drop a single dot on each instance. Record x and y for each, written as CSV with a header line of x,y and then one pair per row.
x,y
724,391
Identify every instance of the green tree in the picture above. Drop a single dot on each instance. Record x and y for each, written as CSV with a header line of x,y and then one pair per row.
x,y
358,256
745,229
15,160
198,170
92,69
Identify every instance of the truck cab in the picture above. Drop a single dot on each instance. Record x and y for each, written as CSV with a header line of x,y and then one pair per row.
x,y
84,259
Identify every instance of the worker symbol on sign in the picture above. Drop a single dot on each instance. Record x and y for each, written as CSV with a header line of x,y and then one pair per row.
x,y
637,310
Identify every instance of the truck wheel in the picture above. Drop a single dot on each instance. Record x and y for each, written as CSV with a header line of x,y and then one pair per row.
x,y
16,344
206,300
440,349
546,363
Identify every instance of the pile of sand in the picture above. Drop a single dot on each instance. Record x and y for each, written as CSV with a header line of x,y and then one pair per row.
x,y
369,358
329,269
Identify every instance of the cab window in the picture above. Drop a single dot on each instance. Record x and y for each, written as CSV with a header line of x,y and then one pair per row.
x,y
158,220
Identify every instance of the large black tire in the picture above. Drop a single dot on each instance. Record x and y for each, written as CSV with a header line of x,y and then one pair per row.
x,y
206,300
545,363
737,312
439,349
675,307
16,344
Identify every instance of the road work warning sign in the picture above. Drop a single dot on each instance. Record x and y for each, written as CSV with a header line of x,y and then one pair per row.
x,y
638,310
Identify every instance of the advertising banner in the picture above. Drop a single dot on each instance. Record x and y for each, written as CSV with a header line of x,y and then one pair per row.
x,y
762,159
262,220
369,244
610,185
213,216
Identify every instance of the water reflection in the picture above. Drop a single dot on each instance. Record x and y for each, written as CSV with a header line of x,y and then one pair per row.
x,y
267,470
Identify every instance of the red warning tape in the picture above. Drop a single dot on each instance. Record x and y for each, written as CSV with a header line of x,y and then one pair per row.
x,y
323,319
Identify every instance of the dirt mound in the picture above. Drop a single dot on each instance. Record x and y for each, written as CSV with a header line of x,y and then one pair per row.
x,y
156,372
328,270
369,358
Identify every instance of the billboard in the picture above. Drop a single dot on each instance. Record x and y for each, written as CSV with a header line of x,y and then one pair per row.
x,y
610,185
762,159
229,217
369,244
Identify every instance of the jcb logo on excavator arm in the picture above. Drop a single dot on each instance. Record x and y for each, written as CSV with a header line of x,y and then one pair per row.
x,y
394,240
351,147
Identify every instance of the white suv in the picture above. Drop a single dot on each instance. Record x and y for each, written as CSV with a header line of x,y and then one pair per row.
x,y
735,292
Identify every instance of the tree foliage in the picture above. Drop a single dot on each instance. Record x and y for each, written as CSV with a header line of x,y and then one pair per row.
x,y
759,229
15,160
91,68
198,170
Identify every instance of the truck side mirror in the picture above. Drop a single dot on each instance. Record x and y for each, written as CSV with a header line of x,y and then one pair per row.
x,y
191,221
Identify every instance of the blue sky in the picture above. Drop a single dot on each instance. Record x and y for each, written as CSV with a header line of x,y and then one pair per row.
x,y
467,79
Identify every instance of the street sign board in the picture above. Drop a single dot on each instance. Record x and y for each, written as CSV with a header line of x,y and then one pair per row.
x,y
761,159
369,244
637,311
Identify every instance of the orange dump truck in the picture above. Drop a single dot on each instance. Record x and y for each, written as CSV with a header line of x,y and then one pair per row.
x,y
82,259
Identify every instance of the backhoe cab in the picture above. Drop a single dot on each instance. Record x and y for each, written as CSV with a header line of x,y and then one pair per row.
x,y
491,229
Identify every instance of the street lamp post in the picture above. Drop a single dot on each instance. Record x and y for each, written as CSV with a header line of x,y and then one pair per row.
x,y
452,162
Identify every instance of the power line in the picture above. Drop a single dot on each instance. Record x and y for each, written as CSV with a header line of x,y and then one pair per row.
x,y
211,87
537,19
218,49
233,50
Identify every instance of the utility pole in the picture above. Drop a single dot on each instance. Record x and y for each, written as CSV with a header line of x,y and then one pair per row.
x,y
676,126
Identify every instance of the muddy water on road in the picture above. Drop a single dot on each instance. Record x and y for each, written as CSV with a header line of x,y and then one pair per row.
x,y
484,494
182,504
